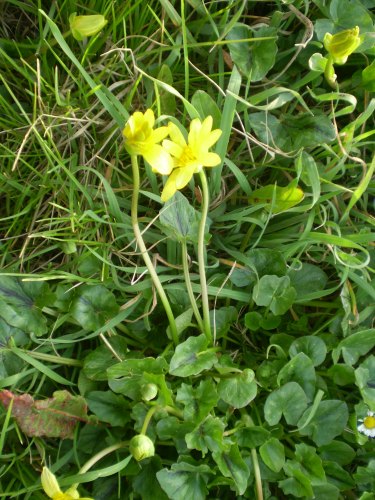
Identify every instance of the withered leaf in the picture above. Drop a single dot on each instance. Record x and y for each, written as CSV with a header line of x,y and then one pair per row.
x,y
52,417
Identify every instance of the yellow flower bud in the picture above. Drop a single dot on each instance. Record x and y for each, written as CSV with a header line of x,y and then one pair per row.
x,y
83,26
149,391
141,447
342,44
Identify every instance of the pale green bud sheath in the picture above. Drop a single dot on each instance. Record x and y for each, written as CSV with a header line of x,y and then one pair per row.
x,y
342,44
84,26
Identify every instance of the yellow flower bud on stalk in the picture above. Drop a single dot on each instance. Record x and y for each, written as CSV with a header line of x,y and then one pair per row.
x,y
141,447
52,489
342,44
84,26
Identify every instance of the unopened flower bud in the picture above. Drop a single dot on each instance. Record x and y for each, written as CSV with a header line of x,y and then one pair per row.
x,y
149,391
83,26
141,447
342,44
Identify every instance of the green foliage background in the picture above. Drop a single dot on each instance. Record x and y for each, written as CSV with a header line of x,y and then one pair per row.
x,y
271,410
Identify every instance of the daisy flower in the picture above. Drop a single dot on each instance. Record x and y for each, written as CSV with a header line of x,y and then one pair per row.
x,y
189,157
367,425
142,139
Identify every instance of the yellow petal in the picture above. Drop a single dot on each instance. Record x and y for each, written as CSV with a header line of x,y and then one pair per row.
x,y
213,137
183,176
210,159
206,126
169,188
159,134
176,135
194,133
173,148
159,159
149,117
50,484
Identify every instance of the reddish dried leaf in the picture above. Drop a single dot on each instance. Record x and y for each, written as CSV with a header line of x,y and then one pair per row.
x,y
52,417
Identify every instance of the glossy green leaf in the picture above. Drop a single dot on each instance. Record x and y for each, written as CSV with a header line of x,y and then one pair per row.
x,y
208,435
146,484
329,421
238,391
368,77
108,407
338,452
251,437
198,401
232,465
275,293
355,346
93,306
365,380
273,454
299,369
96,362
167,100
185,482
21,304
192,357
338,476
179,219
290,400
293,132
313,347
206,106
253,58
307,279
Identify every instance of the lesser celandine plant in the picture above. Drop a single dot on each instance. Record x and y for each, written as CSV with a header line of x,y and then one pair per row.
x,y
180,160
142,139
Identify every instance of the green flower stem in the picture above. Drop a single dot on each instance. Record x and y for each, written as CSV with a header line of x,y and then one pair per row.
x,y
110,449
329,72
201,256
258,478
189,288
148,418
143,249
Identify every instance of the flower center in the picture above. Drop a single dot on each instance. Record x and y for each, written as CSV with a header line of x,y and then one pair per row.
x,y
369,422
187,157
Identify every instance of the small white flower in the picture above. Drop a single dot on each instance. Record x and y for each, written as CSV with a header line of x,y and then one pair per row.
x,y
367,425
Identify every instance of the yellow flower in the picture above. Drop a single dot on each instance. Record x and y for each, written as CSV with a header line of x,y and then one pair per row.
x,y
142,139
52,489
191,156
83,26
342,44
